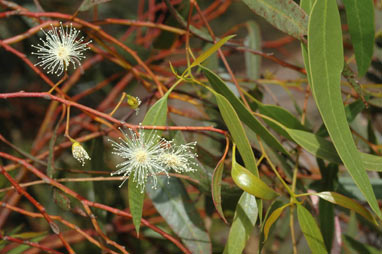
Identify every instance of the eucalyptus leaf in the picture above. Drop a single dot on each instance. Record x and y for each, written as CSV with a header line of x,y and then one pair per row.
x,y
326,60
285,15
360,18
243,223
310,230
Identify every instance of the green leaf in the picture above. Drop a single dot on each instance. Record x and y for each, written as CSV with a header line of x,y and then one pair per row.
x,y
360,247
156,115
249,182
348,188
351,111
316,145
360,18
174,205
324,149
284,15
307,5
237,131
253,41
326,222
28,235
216,189
326,62
272,219
346,202
218,84
372,162
310,230
210,51
136,198
282,116
244,221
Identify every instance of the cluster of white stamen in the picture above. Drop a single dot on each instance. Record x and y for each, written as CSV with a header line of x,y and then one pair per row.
x,y
60,48
146,154
179,157
79,153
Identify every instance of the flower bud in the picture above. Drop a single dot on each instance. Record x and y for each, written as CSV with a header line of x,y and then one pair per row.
x,y
79,153
133,103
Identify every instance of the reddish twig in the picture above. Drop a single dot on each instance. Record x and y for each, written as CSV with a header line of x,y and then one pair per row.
x,y
106,116
58,218
26,242
86,203
52,225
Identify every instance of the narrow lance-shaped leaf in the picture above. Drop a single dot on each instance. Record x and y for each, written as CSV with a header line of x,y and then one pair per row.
x,y
244,221
306,5
310,230
237,131
272,219
325,53
210,51
324,149
360,18
244,114
360,247
346,202
253,41
247,208
175,206
216,189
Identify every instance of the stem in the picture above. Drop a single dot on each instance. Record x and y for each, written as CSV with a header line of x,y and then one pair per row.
x,y
118,104
291,193
292,233
67,125
59,82
106,116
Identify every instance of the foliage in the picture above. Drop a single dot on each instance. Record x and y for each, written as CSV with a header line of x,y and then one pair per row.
x,y
249,130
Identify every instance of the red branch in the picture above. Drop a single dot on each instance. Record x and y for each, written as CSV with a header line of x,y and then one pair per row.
x,y
49,96
86,203
51,223
32,244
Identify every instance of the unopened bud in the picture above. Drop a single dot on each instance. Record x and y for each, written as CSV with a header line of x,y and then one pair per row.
x,y
134,103
79,153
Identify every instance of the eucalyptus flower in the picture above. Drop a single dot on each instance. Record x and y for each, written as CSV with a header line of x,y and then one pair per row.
x,y
140,152
60,48
179,158
146,155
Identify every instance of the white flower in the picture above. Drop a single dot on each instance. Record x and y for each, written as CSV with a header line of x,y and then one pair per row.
x,y
60,48
141,156
79,153
179,157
